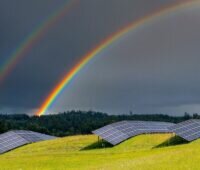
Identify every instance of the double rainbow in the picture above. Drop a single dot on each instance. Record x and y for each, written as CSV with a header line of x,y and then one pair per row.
x,y
104,44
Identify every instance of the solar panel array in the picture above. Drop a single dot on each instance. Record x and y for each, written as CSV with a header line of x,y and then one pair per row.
x,y
10,140
117,132
33,136
17,138
188,130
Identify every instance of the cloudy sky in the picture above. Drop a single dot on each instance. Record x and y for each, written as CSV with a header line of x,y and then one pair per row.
x,y
154,69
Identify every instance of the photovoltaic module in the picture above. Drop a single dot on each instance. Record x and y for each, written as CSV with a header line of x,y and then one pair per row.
x,y
188,130
16,138
120,131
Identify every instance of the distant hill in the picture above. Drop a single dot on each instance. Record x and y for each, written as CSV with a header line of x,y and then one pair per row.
x,y
76,122
85,153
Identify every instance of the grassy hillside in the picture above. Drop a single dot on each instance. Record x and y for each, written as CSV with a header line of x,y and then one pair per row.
x,y
141,152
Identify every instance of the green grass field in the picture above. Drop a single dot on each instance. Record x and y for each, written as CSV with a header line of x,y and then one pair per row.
x,y
142,152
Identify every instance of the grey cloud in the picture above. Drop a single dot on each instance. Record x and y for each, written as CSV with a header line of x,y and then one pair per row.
x,y
129,74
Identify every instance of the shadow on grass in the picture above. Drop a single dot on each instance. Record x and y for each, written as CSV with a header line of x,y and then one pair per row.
x,y
175,140
97,145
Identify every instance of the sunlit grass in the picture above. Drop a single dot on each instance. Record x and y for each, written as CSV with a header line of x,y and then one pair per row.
x,y
140,152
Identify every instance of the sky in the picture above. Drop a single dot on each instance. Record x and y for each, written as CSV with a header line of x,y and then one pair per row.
x,y
154,69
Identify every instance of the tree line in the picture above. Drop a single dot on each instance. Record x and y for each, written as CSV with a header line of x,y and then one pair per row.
x,y
77,122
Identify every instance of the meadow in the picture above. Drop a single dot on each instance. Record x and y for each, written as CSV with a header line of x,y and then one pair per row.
x,y
83,153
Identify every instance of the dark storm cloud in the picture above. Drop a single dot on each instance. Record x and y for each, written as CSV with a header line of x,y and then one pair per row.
x,y
18,18
86,25
153,70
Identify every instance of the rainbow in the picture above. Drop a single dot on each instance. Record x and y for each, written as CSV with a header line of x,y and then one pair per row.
x,y
33,38
103,45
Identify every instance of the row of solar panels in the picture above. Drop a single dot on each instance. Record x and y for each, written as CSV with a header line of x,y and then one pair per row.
x,y
13,139
114,133
118,132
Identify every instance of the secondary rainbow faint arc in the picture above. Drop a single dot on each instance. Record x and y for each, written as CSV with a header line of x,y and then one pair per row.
x,y
104,44
34,37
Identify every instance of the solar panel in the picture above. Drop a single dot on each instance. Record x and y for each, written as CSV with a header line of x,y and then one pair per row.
x,y
188,130
17,138
10,140
33,136
117,132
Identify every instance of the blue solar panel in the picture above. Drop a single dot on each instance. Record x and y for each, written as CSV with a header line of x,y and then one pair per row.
x,y
33,136
117,132
17,138
188,130
10,140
